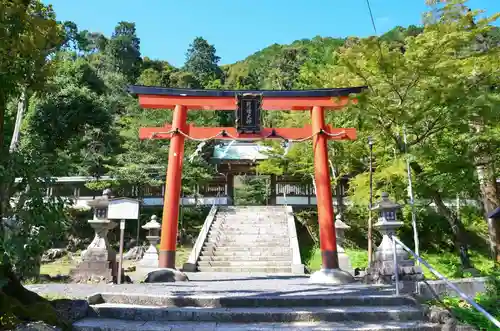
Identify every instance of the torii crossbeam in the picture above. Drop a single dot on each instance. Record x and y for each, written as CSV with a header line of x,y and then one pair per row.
x,y
248,105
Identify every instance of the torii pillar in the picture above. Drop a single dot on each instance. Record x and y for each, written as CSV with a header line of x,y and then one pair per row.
x,y
248,105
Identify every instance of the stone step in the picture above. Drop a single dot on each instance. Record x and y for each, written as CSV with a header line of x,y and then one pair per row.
x,y
267,270
107,324
245,226
249,232
241,257
256,229
263,250
245,253
259,216
242,224
228,301
244,245
283,233
275,239
252,210
245,258
244,264
253,216
258,315
252,230
252,240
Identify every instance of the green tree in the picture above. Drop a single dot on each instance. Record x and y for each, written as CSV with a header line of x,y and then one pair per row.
x,y
28,34
286,68
202,61
428,89
71,122
123,49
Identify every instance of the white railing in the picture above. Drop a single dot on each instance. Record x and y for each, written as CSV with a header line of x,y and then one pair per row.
x,y
396,241
192,261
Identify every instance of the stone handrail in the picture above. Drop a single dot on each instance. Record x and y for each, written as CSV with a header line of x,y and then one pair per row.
x,y
190,265
297,266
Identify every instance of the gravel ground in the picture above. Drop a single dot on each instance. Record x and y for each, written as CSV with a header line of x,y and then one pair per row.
x,y
215,284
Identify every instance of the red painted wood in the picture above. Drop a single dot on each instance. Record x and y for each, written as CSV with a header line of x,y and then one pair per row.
x,y
327,237
170,215
227,103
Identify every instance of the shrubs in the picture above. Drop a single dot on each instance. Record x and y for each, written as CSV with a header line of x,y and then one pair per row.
x,y
490,301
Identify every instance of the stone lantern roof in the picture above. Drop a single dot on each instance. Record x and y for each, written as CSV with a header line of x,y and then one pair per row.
x,y
102,201
152,224
386,204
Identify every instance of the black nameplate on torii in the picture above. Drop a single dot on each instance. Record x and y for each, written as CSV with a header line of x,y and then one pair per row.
x,y
248,112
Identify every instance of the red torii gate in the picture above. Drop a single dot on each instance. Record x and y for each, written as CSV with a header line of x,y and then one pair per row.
x,y
248,105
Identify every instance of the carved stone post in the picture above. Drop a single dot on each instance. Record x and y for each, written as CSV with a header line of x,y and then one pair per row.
x,y
344,261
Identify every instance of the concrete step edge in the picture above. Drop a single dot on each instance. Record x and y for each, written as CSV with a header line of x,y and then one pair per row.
x,y
266,314
98,324
246,270
249,301
215,258
240,243
245,264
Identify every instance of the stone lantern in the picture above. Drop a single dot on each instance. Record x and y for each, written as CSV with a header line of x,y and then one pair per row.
x,y
150,258
99,259
381,269
340,227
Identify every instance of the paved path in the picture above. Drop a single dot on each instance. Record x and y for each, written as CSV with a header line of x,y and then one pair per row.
x,y
216,284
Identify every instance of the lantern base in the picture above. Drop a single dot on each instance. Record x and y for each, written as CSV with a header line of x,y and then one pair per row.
x,y
344,260
150,258
331,276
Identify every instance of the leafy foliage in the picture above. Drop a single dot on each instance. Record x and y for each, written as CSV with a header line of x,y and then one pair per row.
x,y
489,301
254,190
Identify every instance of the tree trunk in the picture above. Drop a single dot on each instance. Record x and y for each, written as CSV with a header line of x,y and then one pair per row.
x,y
489,198
3,161
21,108
15,289
485,171
24,304
456,225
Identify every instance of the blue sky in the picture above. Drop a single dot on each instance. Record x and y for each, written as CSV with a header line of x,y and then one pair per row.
x,y
239,28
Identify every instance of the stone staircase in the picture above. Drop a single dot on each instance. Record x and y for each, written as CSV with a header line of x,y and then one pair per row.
x,y
253,239
341,312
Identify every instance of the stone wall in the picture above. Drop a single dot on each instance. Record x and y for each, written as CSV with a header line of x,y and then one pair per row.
x,y
470,286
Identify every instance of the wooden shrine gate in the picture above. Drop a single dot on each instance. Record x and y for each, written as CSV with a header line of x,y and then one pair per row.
x,y
248,106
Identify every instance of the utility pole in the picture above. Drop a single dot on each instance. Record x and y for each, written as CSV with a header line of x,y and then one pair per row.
x,y
370,206
412,200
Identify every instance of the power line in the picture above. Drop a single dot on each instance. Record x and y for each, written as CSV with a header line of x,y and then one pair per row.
x,y
371,16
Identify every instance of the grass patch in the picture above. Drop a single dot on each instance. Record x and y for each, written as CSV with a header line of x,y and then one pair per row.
x,y
63,265
446,263
359,259
58,267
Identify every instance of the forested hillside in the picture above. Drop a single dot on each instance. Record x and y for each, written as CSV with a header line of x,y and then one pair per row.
x,y
438,82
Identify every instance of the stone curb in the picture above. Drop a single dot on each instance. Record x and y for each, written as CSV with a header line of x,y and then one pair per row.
x,y
258,315
251,301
